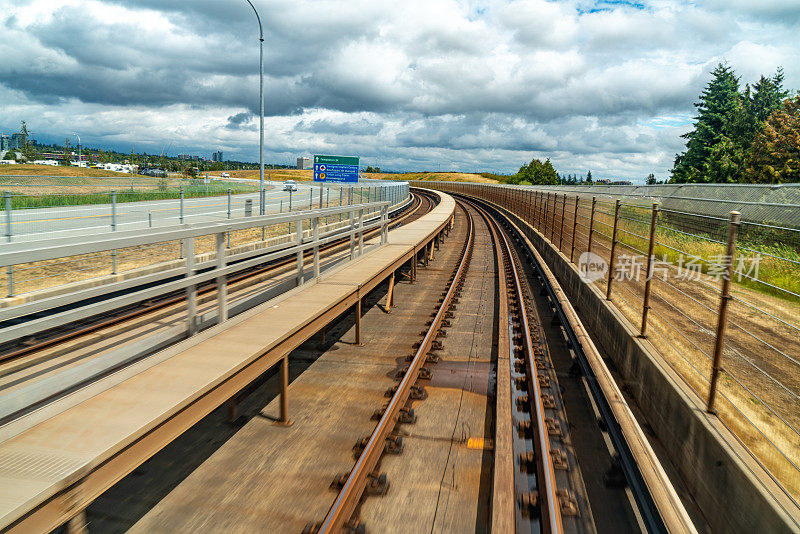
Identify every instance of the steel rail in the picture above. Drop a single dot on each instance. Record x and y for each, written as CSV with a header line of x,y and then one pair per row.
x,y
350,495
660,508
546,478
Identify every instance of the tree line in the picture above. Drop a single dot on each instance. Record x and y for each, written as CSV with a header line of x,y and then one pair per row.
x,y
742,135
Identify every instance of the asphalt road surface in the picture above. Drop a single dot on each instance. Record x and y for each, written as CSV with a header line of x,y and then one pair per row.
x,y
48,223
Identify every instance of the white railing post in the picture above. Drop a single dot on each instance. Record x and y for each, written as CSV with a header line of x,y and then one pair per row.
x,y
361,231
315,227
300,252
191,291
384,224
222,286
352,234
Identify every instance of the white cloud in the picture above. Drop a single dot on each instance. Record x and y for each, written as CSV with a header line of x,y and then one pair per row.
x,y
472,84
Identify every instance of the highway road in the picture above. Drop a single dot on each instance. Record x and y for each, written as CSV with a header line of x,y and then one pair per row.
x,y
46,223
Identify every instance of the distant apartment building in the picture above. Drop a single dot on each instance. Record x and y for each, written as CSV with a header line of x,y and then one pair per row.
x,y
17,141
187,157
5,143
217,156
303,163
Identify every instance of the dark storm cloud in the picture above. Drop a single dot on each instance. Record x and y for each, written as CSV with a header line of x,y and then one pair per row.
x,y
443,79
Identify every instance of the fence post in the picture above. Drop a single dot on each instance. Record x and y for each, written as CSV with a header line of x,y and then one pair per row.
x,y
722,318
591,224
320,198
542,209
7,196
191,291
181,213
290,200
299,242
222,286
574,228
649,270
613,250
563,217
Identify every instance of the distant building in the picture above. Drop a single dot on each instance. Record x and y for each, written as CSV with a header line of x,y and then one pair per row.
x,y
303,163
5,143
17,141
217,156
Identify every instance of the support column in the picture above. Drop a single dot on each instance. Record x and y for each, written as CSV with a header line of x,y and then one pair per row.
x,y
77,524
284,417
358,323
390,295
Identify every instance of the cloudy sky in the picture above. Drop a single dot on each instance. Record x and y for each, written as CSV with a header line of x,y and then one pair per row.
x,y
605,86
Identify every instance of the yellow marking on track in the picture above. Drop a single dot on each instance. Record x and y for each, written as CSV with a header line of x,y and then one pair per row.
x,y
480,444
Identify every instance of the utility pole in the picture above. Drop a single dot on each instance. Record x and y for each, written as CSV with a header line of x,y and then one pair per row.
x,y
261,101
79,149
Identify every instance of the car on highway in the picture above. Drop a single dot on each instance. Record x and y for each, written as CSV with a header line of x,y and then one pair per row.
x,y
290,185
225,175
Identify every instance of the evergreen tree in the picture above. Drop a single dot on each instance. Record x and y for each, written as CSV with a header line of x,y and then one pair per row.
x,y
719,106
589,178
767,95
651,179
536,173
774,156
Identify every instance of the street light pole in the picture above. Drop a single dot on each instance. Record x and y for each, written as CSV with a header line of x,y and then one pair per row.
x,y
261,101
79,149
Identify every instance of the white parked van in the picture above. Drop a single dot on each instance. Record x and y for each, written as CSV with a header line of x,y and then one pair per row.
x,y
290,185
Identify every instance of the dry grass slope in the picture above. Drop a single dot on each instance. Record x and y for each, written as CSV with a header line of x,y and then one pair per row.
x,y
46,170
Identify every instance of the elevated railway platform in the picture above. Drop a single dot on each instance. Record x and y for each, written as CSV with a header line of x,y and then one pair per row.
x,y
49,473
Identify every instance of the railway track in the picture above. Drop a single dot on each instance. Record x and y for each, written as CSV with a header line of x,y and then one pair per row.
x,y
537,482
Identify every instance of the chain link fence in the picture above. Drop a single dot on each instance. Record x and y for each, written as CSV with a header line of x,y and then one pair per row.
x,y
710,275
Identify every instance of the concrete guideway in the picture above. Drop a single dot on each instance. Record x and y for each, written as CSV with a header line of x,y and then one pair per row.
x,y
51,472
282,477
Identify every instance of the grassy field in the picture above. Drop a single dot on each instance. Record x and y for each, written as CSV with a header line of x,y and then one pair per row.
x,y
434,176
308,175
